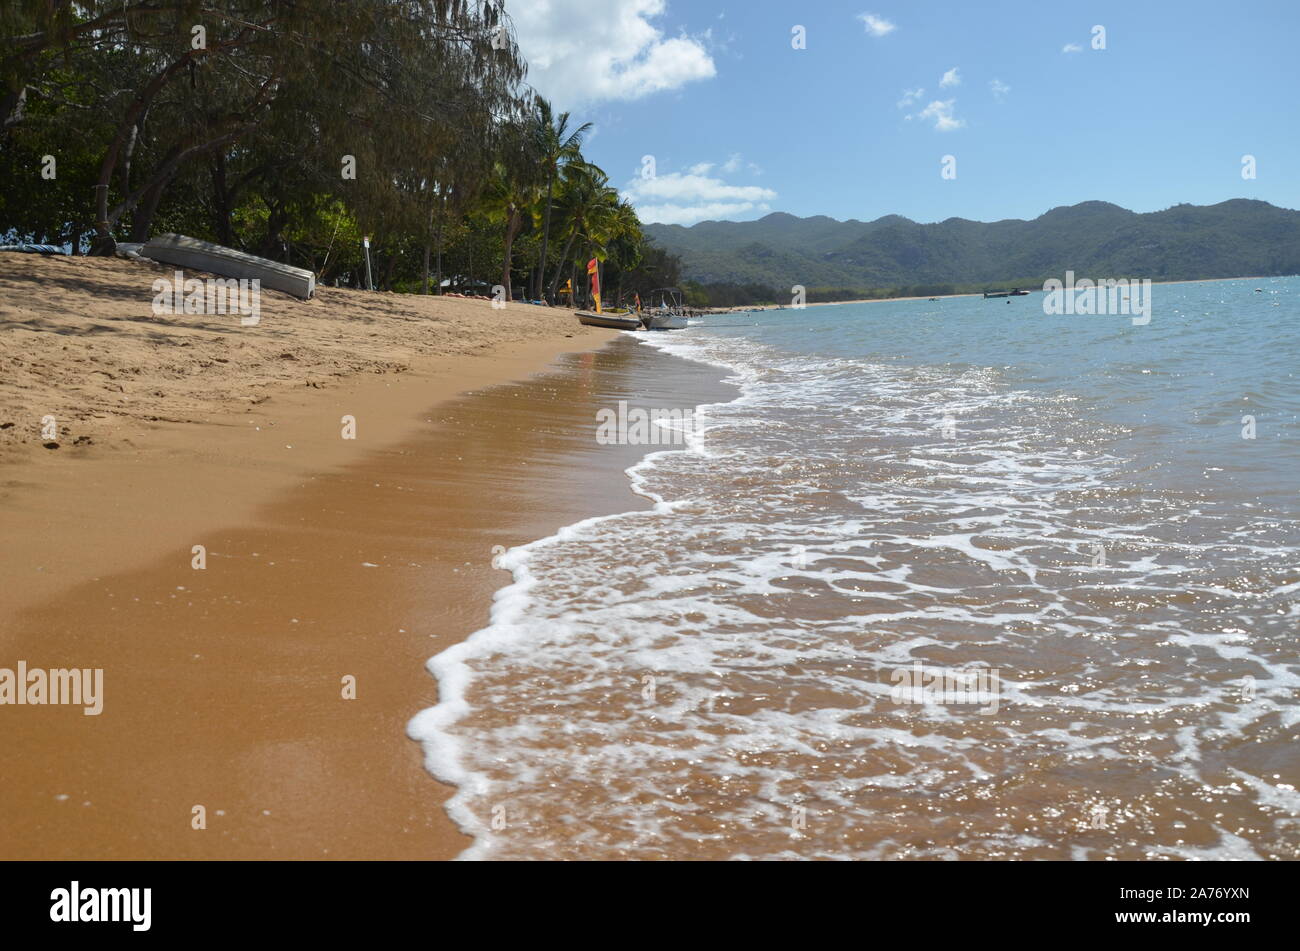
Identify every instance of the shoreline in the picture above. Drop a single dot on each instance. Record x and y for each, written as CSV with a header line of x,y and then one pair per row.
x,y
222,687
653,380
277,690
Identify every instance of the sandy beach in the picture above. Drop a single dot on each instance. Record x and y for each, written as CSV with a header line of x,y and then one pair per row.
x,y
256,705
332,565
335,544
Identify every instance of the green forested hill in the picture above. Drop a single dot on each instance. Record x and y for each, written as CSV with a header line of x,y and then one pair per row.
x,y
1094,239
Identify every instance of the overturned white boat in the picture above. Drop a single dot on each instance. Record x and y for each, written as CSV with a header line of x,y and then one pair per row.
x,y
186,252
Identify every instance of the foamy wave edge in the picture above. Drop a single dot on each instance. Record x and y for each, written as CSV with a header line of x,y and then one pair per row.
x,y
451,668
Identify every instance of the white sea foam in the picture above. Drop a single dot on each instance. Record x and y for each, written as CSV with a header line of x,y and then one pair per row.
x,y
684,680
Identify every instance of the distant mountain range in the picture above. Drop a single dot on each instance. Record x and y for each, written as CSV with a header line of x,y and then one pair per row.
x,y
1237,238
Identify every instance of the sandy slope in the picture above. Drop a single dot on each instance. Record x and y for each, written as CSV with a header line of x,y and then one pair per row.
x,y
79,341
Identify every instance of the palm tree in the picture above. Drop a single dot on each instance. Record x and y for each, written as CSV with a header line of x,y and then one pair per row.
x,y
559,149
585,205
510,192
504,201
624,242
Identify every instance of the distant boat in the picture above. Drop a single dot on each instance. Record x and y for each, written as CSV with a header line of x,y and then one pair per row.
x,y
1014,292
609,321
670,314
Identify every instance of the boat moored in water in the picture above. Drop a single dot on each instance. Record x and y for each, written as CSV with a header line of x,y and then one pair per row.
x,y
670,311
664,322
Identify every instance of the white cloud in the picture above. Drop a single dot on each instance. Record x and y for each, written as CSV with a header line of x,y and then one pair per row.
x,y
999,88
582,52
693,214
685,198
1071,48
732,164
910,96
950,78
941,112
876,26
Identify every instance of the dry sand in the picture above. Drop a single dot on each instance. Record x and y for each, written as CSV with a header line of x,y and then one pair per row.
x,y
326,557
78,342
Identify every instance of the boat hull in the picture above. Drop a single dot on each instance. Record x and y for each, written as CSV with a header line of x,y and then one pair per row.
x,y
182,251
665,322
606,320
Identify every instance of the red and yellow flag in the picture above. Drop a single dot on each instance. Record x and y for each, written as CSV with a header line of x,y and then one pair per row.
x,y
593,268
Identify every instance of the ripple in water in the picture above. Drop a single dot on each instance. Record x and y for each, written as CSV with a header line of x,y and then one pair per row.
x,y
715,678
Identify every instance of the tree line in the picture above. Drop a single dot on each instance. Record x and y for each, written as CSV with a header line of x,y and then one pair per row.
x,y
292,130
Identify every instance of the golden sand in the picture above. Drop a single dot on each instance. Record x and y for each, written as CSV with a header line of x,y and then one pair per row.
x,y
332,566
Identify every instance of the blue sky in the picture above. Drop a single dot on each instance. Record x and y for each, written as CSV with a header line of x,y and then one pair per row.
x,y
740,123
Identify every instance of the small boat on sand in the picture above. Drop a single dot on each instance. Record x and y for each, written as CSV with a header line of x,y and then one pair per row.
x,y
610,321
667,311
183,251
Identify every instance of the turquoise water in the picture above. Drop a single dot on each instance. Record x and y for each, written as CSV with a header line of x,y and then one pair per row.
x,y
1211,354
1065,506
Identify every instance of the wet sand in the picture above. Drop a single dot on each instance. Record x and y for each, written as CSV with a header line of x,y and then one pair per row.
x,y
326,558
224,686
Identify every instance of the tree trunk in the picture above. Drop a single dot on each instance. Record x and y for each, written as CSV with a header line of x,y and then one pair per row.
x,y
442,217
221,201
388,271
128,152
12,107
103,222
162,174
546,234
104,219
559,268
513,224
142,216
428,250
276,219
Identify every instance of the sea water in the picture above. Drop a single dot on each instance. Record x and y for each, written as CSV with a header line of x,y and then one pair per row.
x,y
954,579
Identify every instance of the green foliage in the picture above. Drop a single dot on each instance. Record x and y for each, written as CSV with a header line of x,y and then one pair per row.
x,y
250,139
